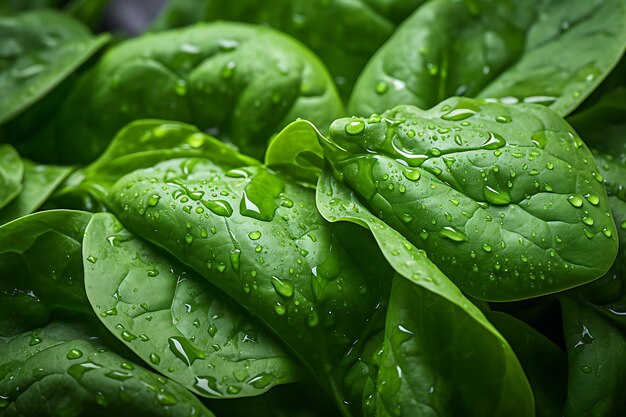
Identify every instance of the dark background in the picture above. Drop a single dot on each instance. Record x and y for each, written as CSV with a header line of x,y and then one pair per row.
x,y
130,17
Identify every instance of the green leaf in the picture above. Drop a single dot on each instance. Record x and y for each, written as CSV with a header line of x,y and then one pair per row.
x,y
176,321
41,269
141,144
505,199
544,363
39,50
62,370
548,51
596,350
259,238
39,183
238,82
296,152
427,324
344,47
11,171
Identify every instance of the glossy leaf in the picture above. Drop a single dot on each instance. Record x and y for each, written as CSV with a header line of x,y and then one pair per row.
x,y
513,50
48,363
238,82
296,152
141,144
41,269
344,48
39,182
11,171
427,322
39,50
176,321
505,199
544,363
260,239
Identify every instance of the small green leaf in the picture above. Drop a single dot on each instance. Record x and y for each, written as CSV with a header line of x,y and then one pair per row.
x,y
11,171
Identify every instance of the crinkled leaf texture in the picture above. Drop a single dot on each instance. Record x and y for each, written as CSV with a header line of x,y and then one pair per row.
x,y
505,199
440,355
513,50
63,370
175,320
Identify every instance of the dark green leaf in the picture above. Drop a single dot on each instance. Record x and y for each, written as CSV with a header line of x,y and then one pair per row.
x,y
11,171
505,199
175,320
39,50
62,370
427,312
344,47
41,269
550,51
38,183
238,82
544,363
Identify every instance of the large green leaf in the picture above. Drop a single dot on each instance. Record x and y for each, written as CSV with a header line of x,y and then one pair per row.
x,y
344,33
505,199
240,83
41,271
440,355
551,51
175,320
39,182
63,370
259,238
39,49
11,171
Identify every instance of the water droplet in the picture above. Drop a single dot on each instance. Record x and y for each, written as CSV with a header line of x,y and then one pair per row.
x,y
166,398
623,225
494,141
606,232
280,309
486,247
456,115
593,199
588,220
180,89
234,256
589,234
207,385
92,259
34,340
411,174
586,369
228,69
77,371
597,176
219,207
283,287
575,200
496,197
118,375
355,127
233,389
381,87
74,354
155,359
183,350
539,139
261,381
453,234
312,319
503,119
254,235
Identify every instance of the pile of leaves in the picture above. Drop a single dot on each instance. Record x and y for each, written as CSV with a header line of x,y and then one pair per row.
x,y
314,208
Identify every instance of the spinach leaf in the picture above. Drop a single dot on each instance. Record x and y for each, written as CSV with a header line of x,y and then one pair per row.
x,y
260,239
41,269
344,48
544,363
505,199
177,322
596,357
39,50
141,144
11,171
512,50
39,368
39,182
427,322
238,82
